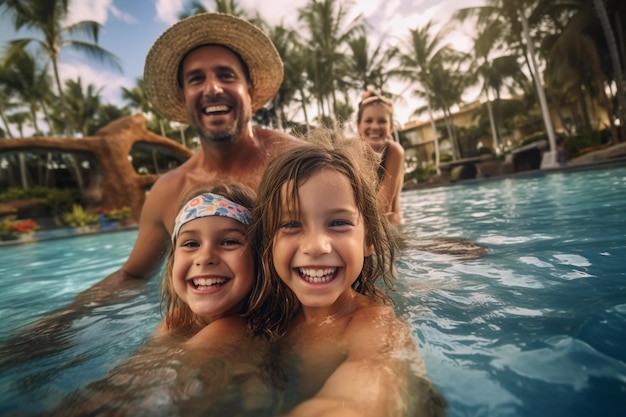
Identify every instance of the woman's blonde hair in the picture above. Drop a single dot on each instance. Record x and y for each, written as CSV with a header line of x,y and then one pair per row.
x,y
178,315
272,304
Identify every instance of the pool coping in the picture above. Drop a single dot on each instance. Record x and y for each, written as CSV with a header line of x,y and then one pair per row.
x,y
69,232
65,232
606,164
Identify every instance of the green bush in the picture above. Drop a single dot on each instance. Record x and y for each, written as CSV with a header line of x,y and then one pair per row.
x,y
119,214
59,200
79,217
585,138
13,194
62,200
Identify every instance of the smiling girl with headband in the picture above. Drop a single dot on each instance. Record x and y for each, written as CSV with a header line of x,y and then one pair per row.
x,y
211,266
202,355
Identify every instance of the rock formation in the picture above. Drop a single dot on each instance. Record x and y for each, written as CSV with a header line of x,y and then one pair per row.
x,y
114,182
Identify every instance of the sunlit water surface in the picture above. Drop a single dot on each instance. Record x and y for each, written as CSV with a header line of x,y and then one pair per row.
x,y
536,327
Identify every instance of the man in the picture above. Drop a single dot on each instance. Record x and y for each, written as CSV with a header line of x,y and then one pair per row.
x,y
211,71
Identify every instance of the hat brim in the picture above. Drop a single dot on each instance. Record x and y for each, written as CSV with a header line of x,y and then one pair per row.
x,y
160,74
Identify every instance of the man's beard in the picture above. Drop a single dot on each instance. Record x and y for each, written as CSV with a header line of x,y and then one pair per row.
x,y
220,136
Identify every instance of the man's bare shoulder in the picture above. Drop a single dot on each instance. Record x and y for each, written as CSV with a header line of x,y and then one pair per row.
x,y
276,138
174,180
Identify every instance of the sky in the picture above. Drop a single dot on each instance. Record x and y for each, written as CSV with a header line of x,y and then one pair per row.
x,y
131,26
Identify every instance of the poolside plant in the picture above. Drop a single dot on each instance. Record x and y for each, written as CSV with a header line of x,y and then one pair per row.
x,y
79,217
115,214
57,199
9,226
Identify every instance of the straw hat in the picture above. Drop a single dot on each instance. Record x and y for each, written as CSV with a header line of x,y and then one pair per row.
x,y
253,46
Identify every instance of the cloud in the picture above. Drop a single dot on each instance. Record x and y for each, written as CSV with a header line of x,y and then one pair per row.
x,y
96,10
109,82
167,10
121,16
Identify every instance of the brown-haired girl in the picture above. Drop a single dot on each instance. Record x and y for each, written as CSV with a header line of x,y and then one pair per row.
x,y
326,247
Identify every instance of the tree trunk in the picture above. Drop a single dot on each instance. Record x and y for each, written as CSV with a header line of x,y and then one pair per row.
x,y
542,95
23,176
492,123
435,137
617,69
303,101
5,122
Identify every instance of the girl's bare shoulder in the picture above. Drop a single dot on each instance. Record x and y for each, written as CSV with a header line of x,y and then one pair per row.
x,y
394,148
222,332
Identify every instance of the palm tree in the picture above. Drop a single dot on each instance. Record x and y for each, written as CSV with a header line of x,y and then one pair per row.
x,y
139,101
46,17
448,80
6,99
417,55
515,25
289,48
83,105
493,72
19,119
615,62
574,65
327,36
29,83
221,6
367,66
106,114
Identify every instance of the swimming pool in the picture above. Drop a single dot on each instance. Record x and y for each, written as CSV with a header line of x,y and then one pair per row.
x,y
536,327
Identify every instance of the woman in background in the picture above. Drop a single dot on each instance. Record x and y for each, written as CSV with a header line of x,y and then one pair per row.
x,y
374,124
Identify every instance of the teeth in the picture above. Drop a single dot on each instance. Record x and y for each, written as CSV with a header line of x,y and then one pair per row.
x,y
208,282
317,276
215,109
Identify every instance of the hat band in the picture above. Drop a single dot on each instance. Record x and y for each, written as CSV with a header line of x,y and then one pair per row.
x,y
206,205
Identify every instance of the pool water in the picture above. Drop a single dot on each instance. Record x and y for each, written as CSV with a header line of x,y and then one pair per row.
x,y
536,327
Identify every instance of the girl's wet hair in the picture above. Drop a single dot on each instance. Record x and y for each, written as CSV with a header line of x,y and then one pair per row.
x,y
272,303
178,315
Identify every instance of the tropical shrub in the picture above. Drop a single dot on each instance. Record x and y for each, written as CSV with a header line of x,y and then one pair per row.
x,y
79,217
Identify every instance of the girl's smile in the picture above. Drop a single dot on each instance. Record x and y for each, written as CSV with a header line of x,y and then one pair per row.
x,y
319,251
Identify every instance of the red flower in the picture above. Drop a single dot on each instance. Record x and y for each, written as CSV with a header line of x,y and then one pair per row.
x,y
24,226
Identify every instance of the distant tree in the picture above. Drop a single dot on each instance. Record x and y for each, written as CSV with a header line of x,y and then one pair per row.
x,y
326,33
47,17
139,101
221,6
82,105
106,114
418,53
29,82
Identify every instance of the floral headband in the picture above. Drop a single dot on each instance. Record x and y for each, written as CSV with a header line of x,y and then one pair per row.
x,y
206,205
